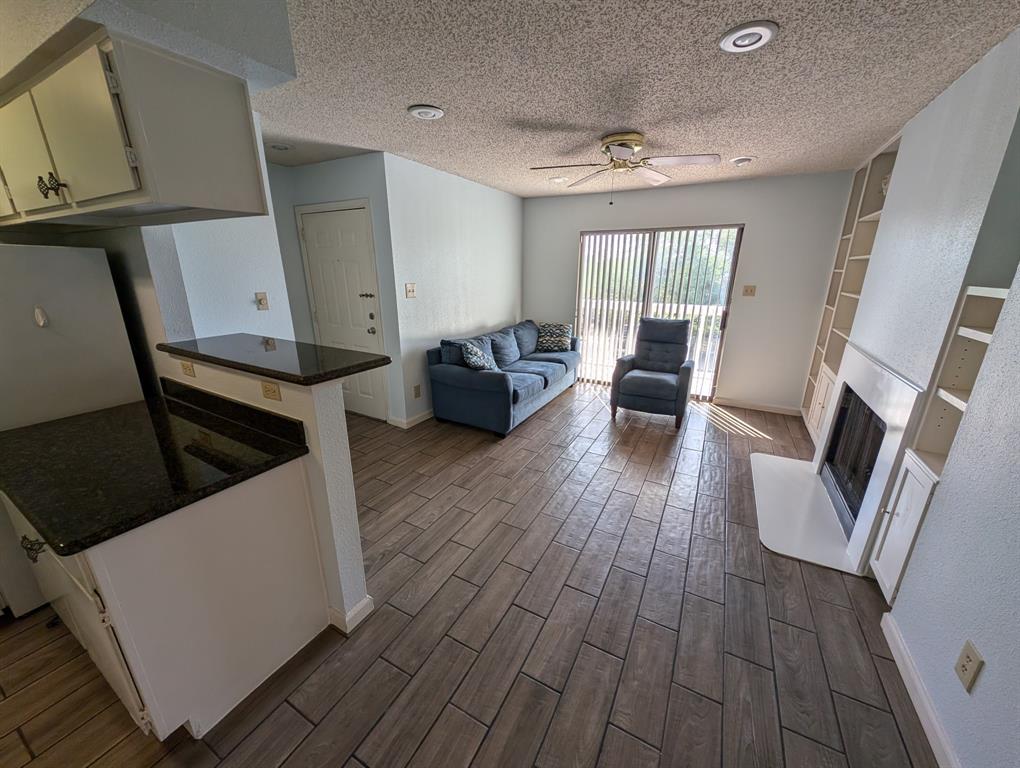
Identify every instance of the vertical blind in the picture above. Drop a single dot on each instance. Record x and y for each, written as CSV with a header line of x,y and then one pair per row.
x,y
668,273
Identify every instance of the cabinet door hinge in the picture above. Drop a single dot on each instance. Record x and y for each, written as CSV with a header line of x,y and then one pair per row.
x,y
132,157
112,82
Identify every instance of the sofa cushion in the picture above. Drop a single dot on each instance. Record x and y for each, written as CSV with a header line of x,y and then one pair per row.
x,y
504,347
569,359
526,332
526,385
554,337
478,355
549,371
658,385
450,352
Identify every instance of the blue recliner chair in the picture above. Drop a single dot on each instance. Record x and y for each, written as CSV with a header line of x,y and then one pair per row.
x,y
657,377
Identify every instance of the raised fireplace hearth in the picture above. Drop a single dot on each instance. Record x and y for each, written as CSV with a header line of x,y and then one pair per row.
x,y
827,510
857,436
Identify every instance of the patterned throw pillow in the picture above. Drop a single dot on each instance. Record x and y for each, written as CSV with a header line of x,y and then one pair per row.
x,y
478,358
554,337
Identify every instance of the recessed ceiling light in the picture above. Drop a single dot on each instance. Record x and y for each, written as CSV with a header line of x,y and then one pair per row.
x,y
742,160
279,146
425,111
748,37
557,179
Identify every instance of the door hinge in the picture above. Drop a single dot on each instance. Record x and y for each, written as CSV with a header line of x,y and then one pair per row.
x,y
132,156
104,615
112,82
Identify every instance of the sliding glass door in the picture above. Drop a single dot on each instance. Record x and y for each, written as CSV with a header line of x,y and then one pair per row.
x,y
684,273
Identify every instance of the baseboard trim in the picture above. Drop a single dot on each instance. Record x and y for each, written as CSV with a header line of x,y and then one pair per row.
x,y
918,692
756,406
347,622
408,423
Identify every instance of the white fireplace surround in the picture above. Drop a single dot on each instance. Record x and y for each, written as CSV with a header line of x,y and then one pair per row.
x,y
795,514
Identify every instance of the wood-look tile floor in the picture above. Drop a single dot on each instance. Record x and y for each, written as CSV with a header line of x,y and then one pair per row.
x,y
581,593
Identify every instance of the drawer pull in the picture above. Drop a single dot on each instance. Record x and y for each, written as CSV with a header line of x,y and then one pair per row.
x,y
32,548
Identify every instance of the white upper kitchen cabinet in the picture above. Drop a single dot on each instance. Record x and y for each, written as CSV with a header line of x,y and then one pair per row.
x,y
82,123
24,158
117,132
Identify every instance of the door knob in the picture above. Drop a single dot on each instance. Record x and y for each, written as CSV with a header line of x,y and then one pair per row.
x,y
367,295
372,330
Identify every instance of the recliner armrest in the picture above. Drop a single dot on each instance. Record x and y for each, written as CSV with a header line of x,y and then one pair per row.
x,y
575,343
467,378
684,380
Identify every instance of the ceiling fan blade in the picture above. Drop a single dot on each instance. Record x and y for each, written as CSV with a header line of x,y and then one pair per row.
x,y
620,151
670,160
655,178
589,177
575,165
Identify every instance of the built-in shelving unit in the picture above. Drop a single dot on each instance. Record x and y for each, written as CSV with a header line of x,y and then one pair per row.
x,y
961,360
853,254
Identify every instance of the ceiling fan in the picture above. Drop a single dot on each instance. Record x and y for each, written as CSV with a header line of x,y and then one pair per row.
x,y
620,148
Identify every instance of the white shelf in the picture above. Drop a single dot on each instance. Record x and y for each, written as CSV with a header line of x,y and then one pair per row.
x,y
873,216
844,332
983,335
851,295
988,293
935,462
958,398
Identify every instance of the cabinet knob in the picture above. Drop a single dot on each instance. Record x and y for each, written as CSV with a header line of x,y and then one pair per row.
x,y
32,547
50,184
372,330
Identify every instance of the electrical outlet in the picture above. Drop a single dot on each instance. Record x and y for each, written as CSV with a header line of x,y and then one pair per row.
x,y
271,390
187,368
750,290
410,290
261,300
969,665
416,391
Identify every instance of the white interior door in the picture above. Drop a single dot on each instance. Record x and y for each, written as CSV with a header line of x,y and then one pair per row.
x,y
340,266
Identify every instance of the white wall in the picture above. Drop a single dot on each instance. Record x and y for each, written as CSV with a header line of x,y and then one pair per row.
x,y
224,262
963,581
353,178
948,162
791,226
460,242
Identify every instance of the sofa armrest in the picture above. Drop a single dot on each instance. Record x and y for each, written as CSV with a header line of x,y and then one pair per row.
x,y
467,378
575,343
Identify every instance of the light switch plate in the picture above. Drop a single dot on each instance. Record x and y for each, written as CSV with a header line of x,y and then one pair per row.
x,y
969,665
187,368
271,390
410,290
750,290
261,300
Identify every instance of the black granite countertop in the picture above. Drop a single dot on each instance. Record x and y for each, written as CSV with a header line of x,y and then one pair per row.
x,y
296,362
84,479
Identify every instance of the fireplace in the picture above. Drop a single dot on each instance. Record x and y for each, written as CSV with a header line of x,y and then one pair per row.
x,y
857,436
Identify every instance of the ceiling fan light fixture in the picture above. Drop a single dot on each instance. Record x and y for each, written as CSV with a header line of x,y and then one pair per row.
x,y
279,146
748,37
557,179
743,160
425,111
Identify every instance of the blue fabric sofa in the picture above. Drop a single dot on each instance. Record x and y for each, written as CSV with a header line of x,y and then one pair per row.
x,y
500,400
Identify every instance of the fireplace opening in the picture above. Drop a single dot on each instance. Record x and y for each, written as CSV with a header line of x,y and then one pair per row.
x,y
850,458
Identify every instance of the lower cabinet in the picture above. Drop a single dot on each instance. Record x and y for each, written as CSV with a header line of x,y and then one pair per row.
x,y
67,584
820,403
901,522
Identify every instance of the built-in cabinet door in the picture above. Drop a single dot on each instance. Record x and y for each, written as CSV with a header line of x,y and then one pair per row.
x,y
82,124
823,390
24,158
908,504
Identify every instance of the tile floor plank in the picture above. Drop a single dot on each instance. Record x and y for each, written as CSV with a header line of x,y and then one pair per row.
x,y
592,566
693,733
272,742
621,750
484,613
419,638
487,556
543,586
804,753
635,551
662,600
515,737
451,743
750,719
530,547
871,737
610,627
825,584
706,569
848,663
557,645
575,734
805,702
785,590
428,579
743,552
699,655
643,695
486,685
401,730
914,738
747,621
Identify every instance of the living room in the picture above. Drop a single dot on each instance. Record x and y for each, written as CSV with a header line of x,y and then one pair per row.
x,y
656,375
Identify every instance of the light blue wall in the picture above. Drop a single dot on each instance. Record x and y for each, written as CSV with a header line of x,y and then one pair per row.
x,y
361,177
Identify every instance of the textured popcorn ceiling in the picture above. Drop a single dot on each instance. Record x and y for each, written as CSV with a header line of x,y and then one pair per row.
x,y
538,82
